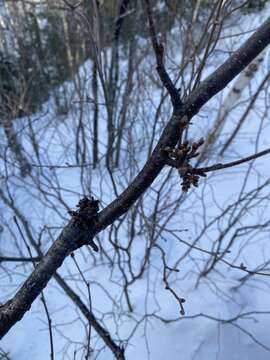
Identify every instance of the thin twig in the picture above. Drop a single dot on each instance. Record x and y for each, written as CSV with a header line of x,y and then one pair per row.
x,y
159,52
19,259
221,166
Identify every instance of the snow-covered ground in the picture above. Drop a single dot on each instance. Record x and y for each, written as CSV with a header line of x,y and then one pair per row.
x,y
227,205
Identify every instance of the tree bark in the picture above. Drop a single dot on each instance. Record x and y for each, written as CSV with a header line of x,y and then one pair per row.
x,y
71,238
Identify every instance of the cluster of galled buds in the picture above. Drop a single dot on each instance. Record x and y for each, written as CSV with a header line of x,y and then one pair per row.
x,y
87,212
86,217
180,159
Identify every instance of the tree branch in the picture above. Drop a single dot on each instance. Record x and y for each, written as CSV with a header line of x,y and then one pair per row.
x,y
230,164
159,53
19,259
72,238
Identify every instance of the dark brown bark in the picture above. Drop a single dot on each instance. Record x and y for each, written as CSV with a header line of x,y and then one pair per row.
x,y
116,350
95,119
72,238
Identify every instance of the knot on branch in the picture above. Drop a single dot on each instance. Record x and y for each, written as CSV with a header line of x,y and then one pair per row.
x,y
180,159
86,217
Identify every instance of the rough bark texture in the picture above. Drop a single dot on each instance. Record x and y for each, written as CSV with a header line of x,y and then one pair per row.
x,y
72,238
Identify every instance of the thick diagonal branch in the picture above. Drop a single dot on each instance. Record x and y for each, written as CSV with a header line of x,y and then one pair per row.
x,y
70,238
